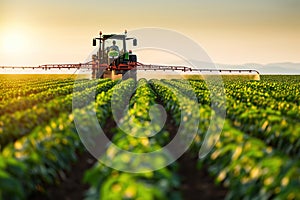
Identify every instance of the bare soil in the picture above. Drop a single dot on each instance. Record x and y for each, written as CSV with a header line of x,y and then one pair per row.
x,y
196,183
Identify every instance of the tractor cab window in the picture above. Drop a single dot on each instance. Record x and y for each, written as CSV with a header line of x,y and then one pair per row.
x,y
113,48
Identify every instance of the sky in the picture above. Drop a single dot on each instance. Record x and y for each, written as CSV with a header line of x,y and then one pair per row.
x,y
36,32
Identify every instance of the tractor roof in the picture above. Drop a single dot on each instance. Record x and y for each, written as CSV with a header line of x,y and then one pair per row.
x,y
114,36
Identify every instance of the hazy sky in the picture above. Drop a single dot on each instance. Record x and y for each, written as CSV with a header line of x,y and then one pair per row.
x,y
35,32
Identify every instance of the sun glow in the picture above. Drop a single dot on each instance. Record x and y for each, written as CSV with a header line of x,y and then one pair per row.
x,y
14,42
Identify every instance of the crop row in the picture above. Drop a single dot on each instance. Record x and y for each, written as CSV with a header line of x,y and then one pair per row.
x,y
16,82
42,156
26,89
11,106
279,90
251,169
268,95
22,122
38,159
246,165
254,162
270,125
109,183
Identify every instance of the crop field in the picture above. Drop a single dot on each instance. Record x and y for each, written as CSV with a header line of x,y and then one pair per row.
x,y
256,156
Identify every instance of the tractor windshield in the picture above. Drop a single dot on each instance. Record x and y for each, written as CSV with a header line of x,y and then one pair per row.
x,y
114,47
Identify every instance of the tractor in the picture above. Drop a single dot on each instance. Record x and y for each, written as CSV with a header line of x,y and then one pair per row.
x,y
113,59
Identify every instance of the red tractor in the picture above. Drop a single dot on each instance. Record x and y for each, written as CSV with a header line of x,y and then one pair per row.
x,y
113,59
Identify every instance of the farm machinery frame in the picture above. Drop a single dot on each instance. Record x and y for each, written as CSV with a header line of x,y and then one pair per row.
x,y
114,60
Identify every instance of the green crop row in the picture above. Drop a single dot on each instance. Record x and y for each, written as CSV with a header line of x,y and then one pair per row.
x,y
268,95
23,84
134,137
21,123
41,157
268,124
251,169
279,90
27,89
246,165
271,125
38,159
11,106
255,157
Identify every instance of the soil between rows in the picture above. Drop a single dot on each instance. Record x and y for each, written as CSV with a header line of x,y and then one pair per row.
x,y
195,183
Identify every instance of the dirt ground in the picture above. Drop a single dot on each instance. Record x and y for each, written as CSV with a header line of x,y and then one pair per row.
x,y
197,184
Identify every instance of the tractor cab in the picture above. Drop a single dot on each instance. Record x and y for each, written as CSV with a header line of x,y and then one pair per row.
x,y
113,51
113,55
